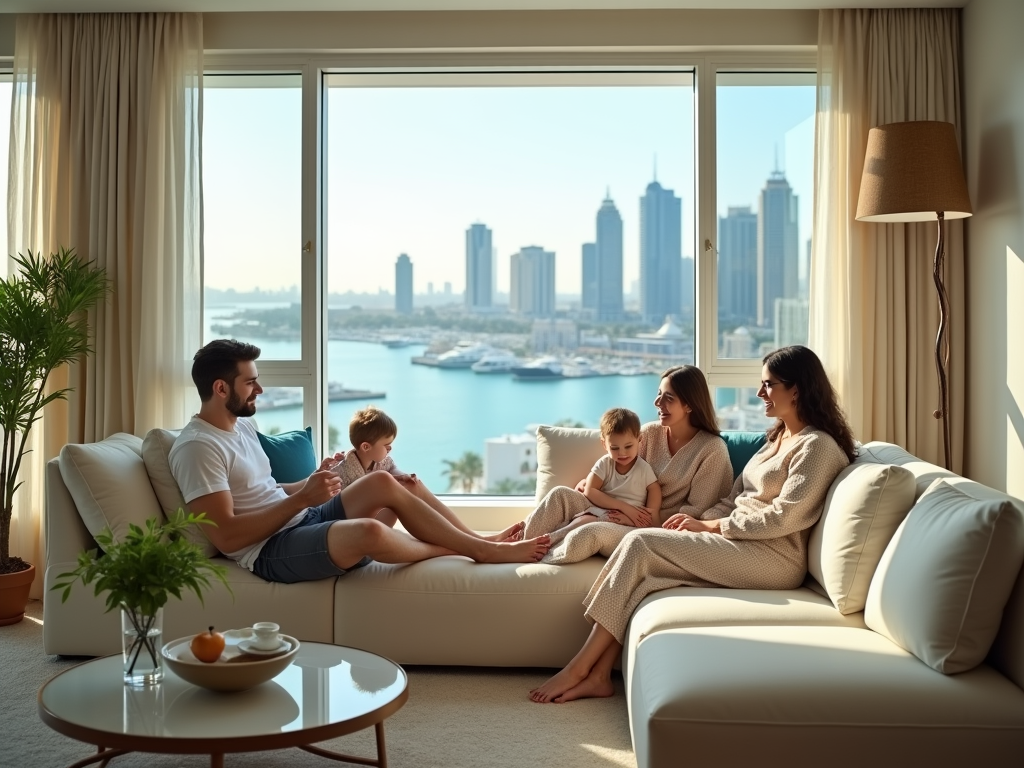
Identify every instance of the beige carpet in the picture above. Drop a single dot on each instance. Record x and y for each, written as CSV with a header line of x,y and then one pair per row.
x,y
455,716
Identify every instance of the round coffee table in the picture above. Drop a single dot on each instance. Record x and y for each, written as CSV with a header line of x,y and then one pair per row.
x,y
328,691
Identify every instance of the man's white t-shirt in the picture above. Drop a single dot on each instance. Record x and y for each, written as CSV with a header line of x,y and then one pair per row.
x,y
630,487
205,459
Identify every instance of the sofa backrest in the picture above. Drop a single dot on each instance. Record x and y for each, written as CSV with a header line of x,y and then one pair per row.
x,y
1007,653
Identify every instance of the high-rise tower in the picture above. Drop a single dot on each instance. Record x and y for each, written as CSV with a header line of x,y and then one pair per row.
x,y
403,285
777,248
533,282
479,268
588,291
608,247
661,253
737,266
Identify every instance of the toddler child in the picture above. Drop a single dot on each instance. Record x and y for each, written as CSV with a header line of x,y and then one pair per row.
x,y
371,432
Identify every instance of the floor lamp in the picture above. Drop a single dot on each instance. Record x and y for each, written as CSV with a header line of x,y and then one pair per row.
x,y
912,172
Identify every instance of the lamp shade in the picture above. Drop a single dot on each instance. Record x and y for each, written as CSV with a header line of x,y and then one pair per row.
x,y
912,172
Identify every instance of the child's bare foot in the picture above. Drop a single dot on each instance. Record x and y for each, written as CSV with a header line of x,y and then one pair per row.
x,y
592,687
529,551
513,533
563,681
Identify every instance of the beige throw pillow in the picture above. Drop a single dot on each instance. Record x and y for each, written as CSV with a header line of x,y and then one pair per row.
x,y
109,484
155,449
941,586
863,509
564,456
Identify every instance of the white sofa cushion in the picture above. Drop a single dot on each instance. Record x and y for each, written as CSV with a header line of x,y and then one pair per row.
x,y
564,456
863,509
805,695
109,484
155,449
942,583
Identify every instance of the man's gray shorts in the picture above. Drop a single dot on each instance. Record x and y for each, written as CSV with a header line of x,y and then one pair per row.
x,y
300,552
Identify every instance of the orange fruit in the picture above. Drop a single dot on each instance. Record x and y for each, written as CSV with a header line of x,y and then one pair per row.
x,y
207,646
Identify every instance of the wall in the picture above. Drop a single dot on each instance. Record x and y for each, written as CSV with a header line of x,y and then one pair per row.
x,y
464,30
994,135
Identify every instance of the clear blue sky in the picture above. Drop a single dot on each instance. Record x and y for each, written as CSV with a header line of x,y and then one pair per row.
x,y
409,169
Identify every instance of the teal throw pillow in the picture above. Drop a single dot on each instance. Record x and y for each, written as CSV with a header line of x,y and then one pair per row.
x,y
742,447
291,454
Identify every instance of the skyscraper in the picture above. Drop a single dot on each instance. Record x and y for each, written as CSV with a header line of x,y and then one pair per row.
x,y
589,288
403,285
479,268
777,248
660,253
533,282
608,247
737,266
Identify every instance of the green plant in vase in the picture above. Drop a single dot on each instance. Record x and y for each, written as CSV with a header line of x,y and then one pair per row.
x,y
138,574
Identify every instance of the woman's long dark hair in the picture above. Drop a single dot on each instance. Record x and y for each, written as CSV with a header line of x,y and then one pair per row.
x,y
816,403
691,387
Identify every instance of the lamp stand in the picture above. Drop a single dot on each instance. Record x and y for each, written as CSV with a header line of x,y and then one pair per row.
x,y
942,343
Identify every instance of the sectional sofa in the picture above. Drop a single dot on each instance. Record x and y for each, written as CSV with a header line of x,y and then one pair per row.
x,y
905,646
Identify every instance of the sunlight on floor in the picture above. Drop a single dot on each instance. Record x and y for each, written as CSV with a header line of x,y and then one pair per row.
x,y
612,756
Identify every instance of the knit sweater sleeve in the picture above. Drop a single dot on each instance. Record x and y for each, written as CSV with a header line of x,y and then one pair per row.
x,y
808,471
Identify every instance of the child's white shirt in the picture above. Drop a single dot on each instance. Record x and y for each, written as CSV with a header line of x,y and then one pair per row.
x,y
630,487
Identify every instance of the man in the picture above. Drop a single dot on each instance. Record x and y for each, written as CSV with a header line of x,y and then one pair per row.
x,y
311,529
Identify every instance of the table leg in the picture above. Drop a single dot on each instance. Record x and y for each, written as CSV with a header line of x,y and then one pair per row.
x,y
217,761
380,762
102,754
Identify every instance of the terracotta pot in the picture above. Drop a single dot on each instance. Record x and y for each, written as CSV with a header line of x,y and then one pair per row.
x,y
14,589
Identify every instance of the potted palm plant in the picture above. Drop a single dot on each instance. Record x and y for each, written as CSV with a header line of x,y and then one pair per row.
x,y
43,325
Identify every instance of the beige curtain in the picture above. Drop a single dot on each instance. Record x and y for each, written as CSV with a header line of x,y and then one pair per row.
x,y
105,158
874,313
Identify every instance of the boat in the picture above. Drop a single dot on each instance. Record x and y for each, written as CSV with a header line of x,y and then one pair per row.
x,y
396,342
463,355
541,369
496,362
291,397
580,368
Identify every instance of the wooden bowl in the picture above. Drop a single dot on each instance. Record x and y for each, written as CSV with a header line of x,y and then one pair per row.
x,y
235,670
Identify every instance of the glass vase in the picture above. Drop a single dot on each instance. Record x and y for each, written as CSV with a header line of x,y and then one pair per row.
x,y
141,641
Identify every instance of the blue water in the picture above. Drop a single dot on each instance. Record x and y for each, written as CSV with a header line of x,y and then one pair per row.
x,y
442,413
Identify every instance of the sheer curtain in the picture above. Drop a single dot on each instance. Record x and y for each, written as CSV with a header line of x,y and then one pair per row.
x,y
105,158
874,313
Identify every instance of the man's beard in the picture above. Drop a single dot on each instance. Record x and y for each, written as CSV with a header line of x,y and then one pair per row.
x,y
239,407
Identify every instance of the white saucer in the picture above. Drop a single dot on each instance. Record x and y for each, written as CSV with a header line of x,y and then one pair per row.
x,y
246,646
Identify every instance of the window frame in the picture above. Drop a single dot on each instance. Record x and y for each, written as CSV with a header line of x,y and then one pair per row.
x,y
309,371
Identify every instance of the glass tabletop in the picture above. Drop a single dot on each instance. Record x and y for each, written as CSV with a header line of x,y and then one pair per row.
x,y
325,685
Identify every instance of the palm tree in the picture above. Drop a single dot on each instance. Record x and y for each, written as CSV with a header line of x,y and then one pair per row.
x,y
464,471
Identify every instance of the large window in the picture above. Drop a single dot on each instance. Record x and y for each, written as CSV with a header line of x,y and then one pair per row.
x,y
478,252
6,92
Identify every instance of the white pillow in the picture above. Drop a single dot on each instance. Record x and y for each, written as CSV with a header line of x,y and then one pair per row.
x,y
863,509
941,586
155,449
564,456
109,484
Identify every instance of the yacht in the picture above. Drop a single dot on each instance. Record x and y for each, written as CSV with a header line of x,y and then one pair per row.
x,y
395,342
463,355
538,370
496,362
579,368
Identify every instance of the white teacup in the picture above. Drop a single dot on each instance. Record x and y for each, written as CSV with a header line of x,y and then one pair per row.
x,y
266,635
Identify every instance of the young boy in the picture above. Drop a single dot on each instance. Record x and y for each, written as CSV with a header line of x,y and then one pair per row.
x,y
371,432
622,487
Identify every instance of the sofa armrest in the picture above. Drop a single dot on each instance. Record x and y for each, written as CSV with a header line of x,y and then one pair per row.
x,y
64,533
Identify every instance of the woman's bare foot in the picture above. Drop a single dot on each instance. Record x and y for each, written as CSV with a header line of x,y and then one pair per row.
x,y
513,533
594,686
529,551
563,681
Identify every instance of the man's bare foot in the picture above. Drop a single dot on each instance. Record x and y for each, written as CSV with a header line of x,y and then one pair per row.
x,y
563,681
513,533
529,551
592,687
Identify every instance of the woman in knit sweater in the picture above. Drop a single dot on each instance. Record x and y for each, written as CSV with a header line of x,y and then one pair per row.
x,y
689,458
755,538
